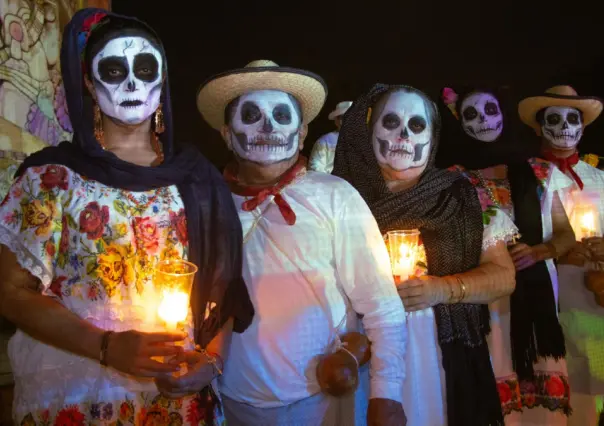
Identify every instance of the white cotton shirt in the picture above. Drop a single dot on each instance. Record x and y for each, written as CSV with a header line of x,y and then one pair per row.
x,y
324,153
300,279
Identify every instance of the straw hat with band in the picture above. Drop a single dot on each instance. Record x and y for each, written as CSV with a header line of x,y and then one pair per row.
x,y
215,94
590,107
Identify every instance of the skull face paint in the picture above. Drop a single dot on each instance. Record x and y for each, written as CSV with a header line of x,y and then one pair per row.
x,y
562,127
127,76
481,117
402,135
265,127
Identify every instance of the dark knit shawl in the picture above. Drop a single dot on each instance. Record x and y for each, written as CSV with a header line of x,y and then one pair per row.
x,y
535,330
445,208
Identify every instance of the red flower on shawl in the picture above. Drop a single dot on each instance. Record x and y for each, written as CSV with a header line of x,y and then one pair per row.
x,y
54,176
555,386
56,286
93,220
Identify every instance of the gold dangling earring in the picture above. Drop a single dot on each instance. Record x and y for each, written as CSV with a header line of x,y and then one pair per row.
x,y
159,120
99,134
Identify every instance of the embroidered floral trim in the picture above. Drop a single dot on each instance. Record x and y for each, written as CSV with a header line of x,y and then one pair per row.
x,y
549,391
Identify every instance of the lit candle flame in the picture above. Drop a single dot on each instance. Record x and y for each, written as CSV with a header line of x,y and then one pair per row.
x,y
588,222
173,308
405,263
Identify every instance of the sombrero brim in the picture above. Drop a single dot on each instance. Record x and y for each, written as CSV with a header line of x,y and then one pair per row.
x,y
215,94
528,108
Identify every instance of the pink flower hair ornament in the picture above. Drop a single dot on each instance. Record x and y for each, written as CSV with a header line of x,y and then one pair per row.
x,y
449,98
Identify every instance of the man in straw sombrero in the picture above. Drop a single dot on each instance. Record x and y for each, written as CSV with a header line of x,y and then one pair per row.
x,y
314,261
324,151
560,117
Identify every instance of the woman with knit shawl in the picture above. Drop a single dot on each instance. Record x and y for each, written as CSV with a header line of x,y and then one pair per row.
x,y
526,343
386,150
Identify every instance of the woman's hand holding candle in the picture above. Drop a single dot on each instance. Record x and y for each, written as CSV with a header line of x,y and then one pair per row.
x,y
200,373
423,292
131,352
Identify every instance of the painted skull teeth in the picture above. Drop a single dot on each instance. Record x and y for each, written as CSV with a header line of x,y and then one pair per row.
x,y
402,132
265,127
562,126
481,116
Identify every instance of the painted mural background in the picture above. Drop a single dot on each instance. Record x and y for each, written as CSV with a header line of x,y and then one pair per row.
x,y
33,112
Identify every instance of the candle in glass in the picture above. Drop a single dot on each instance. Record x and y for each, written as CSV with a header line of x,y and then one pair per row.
x,y
403,247
584,221
174,280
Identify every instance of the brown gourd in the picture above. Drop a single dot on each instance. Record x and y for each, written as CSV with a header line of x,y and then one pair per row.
x,y
338,372
595,283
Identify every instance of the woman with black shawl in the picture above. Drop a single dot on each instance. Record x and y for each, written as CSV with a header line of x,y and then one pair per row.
x,y
526,343
386,150
85,224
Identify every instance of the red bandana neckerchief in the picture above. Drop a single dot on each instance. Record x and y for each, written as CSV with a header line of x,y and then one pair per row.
x,y
566,165
260,194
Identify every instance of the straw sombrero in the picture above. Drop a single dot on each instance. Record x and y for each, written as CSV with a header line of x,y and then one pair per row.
x,y
216,93
590,106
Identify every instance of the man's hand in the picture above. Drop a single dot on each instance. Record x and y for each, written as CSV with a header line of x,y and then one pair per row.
x,y
385,412
577,256
524,256
200,374
423,292
595,246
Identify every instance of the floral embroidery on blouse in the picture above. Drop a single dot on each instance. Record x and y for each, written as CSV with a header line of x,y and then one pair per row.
x,y
547,390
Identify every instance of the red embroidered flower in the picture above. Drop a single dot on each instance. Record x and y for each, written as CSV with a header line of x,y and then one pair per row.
x,y
505,394
147,233
93,220
126,411
54,176
156,416
69,416
93,293
50,248
194,412
64,243
56,286
179,223
555,387
541,169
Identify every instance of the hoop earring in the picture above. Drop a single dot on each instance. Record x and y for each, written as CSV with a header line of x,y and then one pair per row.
x,y
99,134
160,126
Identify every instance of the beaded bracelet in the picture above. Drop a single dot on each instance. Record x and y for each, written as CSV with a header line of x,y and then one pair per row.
x,y
213,359
104,346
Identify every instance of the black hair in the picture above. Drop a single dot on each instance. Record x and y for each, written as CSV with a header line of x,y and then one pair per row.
x,y
231,109
110,28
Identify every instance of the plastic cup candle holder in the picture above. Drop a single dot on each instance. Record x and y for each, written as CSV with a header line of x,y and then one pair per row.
x,y
403,247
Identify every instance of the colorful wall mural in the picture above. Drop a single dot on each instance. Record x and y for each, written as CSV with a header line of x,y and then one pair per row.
x,y
33,112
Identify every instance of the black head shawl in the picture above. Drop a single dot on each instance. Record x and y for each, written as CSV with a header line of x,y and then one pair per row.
x,y
445,208
214,230
535,330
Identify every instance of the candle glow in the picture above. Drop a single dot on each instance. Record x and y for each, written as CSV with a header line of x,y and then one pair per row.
x,y
173,308
404,249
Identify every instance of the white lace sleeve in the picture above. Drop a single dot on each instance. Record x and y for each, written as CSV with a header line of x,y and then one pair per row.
x,y
499,228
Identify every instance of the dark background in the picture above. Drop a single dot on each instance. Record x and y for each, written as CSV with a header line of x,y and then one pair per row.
x,y
529,46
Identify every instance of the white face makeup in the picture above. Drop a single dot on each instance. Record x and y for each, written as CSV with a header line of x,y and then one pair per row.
x,y
128,79
265,127
481,117
562,127
402,134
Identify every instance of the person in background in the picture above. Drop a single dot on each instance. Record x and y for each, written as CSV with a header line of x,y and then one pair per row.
x,y
314,261
84,226
560,117
324,150
481,140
